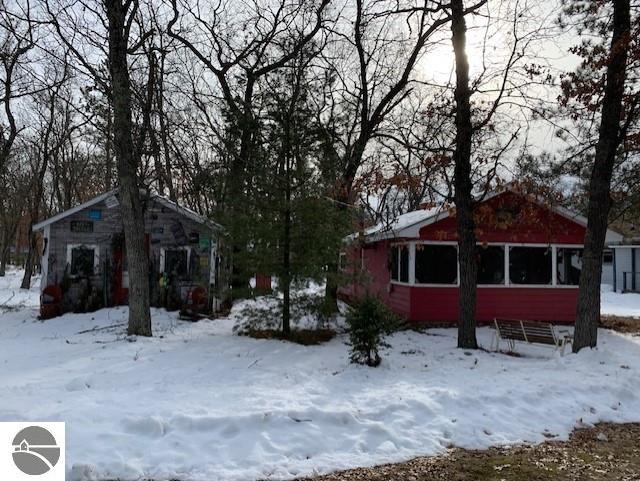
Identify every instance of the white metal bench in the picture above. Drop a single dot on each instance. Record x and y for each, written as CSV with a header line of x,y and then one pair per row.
x,y
532,332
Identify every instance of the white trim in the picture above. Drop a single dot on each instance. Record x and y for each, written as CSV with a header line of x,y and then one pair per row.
x,y
507,278
624,246
412,263
163,250
96,255
44,261
73,210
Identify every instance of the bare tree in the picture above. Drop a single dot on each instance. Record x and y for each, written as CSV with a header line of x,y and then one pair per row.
x,y
463,183
118,20
54,126
238,63
611,133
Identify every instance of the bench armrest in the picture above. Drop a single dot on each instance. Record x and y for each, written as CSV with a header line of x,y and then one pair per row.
x,y
566,333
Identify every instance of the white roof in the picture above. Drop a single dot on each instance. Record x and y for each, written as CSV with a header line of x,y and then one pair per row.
x,y
403,225
102,197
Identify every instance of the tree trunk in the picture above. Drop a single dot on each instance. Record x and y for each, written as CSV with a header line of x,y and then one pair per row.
x,y
609,138
463,185
30,263
4,259
108,167
127,163
286,269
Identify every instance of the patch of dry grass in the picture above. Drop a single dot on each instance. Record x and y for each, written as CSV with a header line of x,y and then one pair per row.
x,y
306,337
605,452
627,325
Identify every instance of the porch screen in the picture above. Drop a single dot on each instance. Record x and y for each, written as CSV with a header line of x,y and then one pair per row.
x,y
436,264
569,266
82,259
490,264
399,263
530,265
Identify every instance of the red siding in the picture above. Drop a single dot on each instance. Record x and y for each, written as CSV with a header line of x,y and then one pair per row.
x,y
375,279
440,304
533,224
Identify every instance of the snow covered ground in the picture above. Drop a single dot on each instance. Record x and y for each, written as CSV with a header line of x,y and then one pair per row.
x,y
616,304
12,296
199,403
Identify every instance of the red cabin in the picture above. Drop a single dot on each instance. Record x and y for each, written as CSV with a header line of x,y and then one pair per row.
x,y
529,261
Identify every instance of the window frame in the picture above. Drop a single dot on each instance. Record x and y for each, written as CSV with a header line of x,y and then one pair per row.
x,y
505,263
399,247
507,281
552,261
96,256
163,251
412,264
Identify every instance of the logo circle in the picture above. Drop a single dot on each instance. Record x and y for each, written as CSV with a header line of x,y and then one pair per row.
x,y
35,450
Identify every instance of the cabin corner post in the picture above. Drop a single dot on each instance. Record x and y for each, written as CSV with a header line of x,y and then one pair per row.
x,y
44,261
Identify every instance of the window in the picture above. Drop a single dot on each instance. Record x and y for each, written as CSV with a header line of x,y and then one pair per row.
x,y
568,266
490,264
176,262
342,262
436,264
82,260
399,263
530,265
607,256
404,264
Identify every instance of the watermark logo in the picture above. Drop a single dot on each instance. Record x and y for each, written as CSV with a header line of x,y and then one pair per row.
x,y
35,450
32,451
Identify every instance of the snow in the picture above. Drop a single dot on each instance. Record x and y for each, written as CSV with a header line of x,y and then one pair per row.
x,y
402,221
197,402
12,296
617,304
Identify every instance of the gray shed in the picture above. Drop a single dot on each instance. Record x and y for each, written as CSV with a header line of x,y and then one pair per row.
x,y
624,266
84,264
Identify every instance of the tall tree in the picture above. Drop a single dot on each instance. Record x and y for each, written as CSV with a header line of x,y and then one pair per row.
x,y
609,139
16,41
238,64
463,184
118,17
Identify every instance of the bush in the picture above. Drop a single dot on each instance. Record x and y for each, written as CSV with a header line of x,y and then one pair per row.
x,y
368,322
265,315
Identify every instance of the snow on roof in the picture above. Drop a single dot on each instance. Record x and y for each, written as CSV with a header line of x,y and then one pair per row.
x,y
398,226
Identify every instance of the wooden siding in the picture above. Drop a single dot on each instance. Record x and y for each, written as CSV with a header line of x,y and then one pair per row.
x,y
435,304
536,224
440,304
163,226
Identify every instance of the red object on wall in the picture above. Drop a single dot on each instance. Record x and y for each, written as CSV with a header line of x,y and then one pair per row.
x,y
530,223
263,282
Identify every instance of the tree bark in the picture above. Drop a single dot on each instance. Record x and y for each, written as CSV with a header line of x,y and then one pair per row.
x,y
609,138
127,163
463,185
